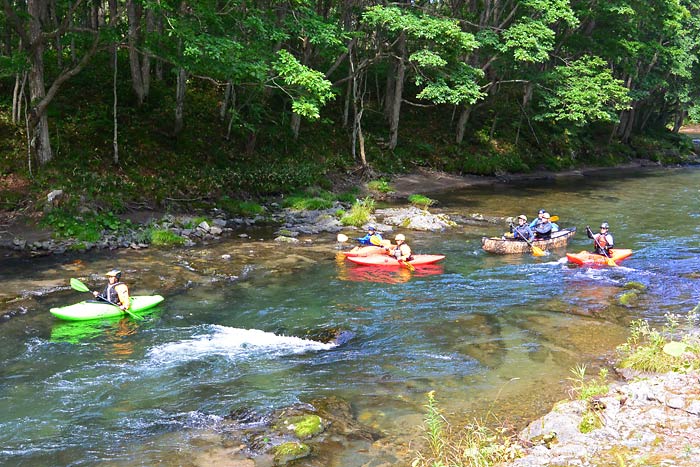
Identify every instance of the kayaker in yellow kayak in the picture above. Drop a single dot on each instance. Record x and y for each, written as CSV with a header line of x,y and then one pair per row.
x,y
116,292
603,241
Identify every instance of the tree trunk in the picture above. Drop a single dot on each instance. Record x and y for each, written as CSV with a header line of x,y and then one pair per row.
x,y
39,139
180,100
462,123
398,94
678,120
224,104
115,140
133,13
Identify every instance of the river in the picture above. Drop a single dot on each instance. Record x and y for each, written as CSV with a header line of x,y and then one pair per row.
x,y
491,335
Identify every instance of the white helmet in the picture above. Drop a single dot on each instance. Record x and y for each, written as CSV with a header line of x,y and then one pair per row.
x,y
401,237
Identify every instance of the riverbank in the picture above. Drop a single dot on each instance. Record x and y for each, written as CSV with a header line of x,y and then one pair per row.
x,y
649,419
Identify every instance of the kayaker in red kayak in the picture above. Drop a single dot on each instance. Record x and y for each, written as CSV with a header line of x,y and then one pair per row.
x,y
401,251
603,241
367,239
116,292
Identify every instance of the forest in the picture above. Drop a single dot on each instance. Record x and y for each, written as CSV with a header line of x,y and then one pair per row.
x,y
131,99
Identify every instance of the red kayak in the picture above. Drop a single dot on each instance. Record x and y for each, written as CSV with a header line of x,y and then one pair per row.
x,y
586,258
389,261
365,251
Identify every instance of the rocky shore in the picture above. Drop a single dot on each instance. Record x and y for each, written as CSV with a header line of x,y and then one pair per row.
x,y
649,419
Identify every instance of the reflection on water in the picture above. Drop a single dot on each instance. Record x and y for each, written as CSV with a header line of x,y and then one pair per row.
x,y
489,333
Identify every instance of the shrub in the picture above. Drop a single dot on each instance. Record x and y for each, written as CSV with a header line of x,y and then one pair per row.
x,y
382,186
474,445
240,208
166,238
359,213
668,349
420,201
87,227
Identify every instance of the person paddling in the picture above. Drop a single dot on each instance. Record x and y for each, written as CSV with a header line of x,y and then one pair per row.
x,y
401,251
539,219
116,292
603,242
543,230
522,231
367,239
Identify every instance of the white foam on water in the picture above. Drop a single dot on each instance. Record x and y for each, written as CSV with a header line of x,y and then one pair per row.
x,y
234,344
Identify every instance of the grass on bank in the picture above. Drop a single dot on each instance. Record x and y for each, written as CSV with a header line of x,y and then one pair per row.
x,y
674,347
360,212
475,444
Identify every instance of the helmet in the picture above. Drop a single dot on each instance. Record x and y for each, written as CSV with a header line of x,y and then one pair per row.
x,y
541,211
372,228
114,272
523,217
604,225
401,237
546,215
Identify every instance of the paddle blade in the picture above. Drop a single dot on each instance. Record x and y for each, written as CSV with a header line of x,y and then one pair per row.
x,y
374,240
342,238
79,286
408,265
537,251
611,262
553,218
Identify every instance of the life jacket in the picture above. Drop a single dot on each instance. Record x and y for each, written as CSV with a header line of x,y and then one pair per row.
x,y
602,241
398,252
110,293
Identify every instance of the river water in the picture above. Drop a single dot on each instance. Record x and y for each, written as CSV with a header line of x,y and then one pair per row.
x,y
491,335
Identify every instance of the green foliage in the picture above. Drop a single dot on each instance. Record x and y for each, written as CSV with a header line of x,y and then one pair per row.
x,y
420,201
650,349
309,88
87,227
474,445
586,390
237,207
382,186
584,91
529,41
359,213
311,199
164,237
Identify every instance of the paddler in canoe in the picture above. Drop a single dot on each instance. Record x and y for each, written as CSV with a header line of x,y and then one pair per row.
x,y
116,292
522,231
540,217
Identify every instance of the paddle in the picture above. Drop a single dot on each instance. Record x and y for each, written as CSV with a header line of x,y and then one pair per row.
x,y
553,218
376,242
342,238
609,260
536,251
80,287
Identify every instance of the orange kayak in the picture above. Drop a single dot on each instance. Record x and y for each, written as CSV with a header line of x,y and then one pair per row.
x,y
586,258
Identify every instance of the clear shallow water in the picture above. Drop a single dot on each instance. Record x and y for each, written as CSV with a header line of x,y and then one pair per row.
x,y
476,328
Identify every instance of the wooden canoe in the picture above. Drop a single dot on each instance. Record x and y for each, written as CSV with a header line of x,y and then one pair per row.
x,y
501,246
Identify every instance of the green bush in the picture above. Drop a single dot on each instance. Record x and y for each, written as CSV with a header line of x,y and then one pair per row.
x,y
359,213
237,207
382,186
166,238
87,227
420,201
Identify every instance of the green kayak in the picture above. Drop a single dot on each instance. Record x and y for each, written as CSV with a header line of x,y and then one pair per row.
x,y
96,309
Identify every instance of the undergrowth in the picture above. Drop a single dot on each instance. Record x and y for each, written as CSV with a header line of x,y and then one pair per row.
x,y
672,348
476,444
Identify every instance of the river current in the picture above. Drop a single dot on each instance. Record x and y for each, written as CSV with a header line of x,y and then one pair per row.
x,y
494,335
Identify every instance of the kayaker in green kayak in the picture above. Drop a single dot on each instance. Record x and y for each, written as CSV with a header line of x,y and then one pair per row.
x,y
116,291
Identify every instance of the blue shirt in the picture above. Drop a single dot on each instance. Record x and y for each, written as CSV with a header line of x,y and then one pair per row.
x,y
366,239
